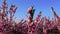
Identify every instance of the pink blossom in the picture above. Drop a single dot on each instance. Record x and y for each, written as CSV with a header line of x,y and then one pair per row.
x,y
29,9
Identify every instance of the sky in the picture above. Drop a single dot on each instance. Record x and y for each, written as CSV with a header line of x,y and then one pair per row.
x,y
40,5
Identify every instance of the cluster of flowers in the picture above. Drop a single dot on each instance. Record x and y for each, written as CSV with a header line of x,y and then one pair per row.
x,y
40,25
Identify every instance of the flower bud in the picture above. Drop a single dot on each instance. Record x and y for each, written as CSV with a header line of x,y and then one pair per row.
x,y
30,10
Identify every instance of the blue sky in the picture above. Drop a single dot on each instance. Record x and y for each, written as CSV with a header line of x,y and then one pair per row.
x,y
39,5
